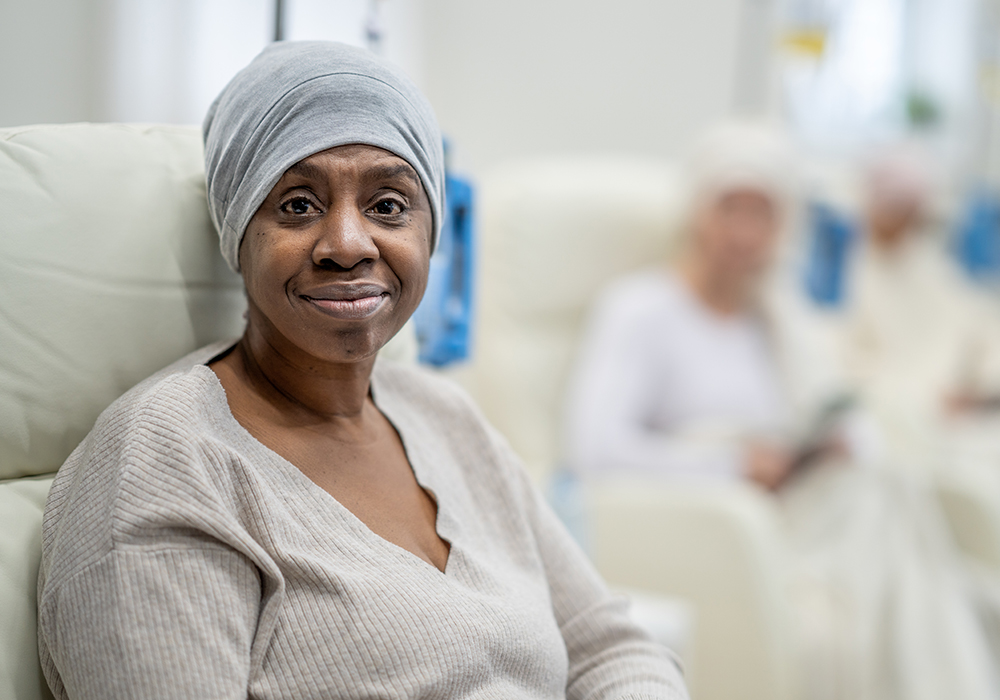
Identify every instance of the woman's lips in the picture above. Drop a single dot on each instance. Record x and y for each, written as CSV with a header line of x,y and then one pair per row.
x,y
352,309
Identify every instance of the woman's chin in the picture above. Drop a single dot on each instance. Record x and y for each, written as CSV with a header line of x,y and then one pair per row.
x,y
352,345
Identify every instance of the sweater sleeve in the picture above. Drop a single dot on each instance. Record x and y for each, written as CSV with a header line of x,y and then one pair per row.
x,y
149,588
176,622
610,657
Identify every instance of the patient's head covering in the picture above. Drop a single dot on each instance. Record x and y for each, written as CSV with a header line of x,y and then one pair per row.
x,y
900,174
739,155
299,98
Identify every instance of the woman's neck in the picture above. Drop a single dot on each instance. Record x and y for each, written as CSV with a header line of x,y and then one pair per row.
x,y
723,295
888,242
296,382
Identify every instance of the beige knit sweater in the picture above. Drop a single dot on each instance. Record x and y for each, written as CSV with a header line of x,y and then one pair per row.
x,y
183,559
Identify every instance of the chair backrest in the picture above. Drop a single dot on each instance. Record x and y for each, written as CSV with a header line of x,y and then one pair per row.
x,y
109,270
553,233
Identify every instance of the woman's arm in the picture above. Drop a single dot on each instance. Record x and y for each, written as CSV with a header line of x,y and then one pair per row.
x,y
170,622
149,585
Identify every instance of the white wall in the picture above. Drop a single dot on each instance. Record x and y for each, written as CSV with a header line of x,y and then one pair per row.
x,y
164,60
519,77
51,58
507,78
172,57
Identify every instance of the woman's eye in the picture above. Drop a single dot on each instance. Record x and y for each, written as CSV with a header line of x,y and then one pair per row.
x,y
298,206
388,207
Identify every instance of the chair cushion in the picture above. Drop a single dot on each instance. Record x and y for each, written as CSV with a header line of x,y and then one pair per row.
x,y
21,504
109,270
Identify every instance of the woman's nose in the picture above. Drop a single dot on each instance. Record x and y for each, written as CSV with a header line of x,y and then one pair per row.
x,y
345,240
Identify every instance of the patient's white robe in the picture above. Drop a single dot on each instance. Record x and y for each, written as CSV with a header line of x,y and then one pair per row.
x,y
915,333
667,388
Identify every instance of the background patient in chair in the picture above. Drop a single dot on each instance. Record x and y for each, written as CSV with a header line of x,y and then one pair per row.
x,y
708,369
678,373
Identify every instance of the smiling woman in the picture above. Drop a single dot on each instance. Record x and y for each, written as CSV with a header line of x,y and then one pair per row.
x,y
287,516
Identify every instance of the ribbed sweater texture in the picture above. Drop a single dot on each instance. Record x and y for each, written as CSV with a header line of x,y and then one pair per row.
x,y
184,559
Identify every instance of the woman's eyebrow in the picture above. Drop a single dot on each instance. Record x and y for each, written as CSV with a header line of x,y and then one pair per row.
x,y
306,170
390,172
309,171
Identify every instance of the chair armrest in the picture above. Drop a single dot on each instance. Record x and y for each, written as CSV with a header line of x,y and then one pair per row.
x,y
970,508
718,546
21,504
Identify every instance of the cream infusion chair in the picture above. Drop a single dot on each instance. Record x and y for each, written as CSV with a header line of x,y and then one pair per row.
x,y
553,231
109,270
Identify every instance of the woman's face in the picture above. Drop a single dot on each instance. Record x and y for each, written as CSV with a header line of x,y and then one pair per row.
x,y
335,260
736,233
890,219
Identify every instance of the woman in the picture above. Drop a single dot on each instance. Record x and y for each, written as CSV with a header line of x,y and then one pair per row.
x,y
288,518
922,343
677,373
698,370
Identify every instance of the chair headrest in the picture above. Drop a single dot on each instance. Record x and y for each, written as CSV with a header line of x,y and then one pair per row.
x,y
109,270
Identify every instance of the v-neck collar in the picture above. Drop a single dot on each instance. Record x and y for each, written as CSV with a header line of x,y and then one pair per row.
x,y
418,458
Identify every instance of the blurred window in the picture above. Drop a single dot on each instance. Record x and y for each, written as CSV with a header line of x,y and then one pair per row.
x,y
858,70
168,59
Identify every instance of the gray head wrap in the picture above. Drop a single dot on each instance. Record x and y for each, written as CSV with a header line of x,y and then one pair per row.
x,y
299,98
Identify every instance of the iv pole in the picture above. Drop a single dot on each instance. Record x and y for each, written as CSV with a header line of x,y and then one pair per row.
x,y
279,20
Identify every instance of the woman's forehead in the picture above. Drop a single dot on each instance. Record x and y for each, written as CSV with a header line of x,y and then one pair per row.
x,y
365,160
747,193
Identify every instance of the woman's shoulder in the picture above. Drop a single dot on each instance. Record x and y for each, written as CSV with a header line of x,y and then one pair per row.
x,y
635,305
170,402
157,422
656,281
141,462
650,291
422,401
422,389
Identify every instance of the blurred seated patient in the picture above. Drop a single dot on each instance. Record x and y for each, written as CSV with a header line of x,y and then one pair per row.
x,y
700,370
922,343
678,374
